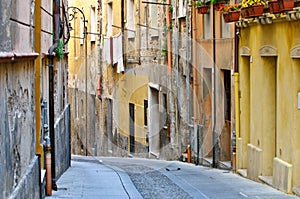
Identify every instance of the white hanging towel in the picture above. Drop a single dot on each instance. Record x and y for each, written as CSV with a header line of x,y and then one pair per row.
x,y
106,50
117,52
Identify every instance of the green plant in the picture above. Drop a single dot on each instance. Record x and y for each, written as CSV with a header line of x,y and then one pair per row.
x,y
168,28
164,50
59,51
216,1
199,3
171,9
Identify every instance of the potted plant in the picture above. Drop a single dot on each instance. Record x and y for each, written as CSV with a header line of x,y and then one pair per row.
x,y
202,6
231,12
253,8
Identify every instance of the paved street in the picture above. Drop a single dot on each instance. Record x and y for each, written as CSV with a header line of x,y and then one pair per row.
x,y
103,177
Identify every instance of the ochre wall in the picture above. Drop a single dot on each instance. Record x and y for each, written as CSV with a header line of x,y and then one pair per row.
x,y
134,90
274,84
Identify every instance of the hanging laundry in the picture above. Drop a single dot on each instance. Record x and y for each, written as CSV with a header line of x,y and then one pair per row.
x,y
112,51
106,50
117,52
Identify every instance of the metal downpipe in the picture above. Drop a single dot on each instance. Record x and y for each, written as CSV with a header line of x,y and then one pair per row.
x,y
56,21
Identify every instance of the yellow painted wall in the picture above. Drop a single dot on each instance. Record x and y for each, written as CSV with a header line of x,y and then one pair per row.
x,y
77,50
133,89
264,118
130,88
244,107
296,136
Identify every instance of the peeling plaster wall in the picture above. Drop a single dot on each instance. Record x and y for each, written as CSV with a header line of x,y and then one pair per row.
x,y
17,131
5,44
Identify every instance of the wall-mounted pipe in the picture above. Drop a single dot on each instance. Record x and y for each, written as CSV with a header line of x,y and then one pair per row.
x,y
214,133
56,22
48,167
37,79
236,94
168,23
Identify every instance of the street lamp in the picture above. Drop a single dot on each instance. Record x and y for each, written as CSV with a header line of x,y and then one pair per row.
x,y
72,16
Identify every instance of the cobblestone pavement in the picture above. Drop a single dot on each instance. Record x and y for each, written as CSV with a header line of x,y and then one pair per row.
x,y
173,179
134,178
151,183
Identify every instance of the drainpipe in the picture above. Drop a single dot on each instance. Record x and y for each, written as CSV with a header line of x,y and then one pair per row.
x,y
56,22
99,87
237,98
214,135
187,63
37,81
171,93
168,23
122,29
48,167
140,35
196,80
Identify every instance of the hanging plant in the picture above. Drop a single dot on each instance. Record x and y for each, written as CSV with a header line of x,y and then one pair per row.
x,y
170,9
59,51
164,50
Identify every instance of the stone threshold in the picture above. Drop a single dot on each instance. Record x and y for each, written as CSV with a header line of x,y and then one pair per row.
x,y
242,172
266,179
296,190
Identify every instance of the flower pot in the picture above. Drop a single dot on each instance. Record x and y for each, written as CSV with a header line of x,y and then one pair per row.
x,y
274,7
245,12
226,17
203,9
256,10
231,16
235,15
286,5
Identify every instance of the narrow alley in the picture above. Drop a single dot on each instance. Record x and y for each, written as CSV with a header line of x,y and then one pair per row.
x,y
104,177
149,99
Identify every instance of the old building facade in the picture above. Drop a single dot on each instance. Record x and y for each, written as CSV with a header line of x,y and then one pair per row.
x,y
25,104
132,82
213,63
268,138
151,96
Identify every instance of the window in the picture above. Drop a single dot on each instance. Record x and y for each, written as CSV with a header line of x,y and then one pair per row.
x,y
130,18
109,19
153,19
207,27
182,8
93,24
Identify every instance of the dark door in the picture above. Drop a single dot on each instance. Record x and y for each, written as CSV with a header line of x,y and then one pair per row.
x,y
109,124
131,127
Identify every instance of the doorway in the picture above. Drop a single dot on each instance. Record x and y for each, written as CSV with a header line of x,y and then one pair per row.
x,y
131,127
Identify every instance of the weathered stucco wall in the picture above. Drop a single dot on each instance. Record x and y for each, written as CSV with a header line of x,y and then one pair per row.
x,y
26,188
273,94
17,131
